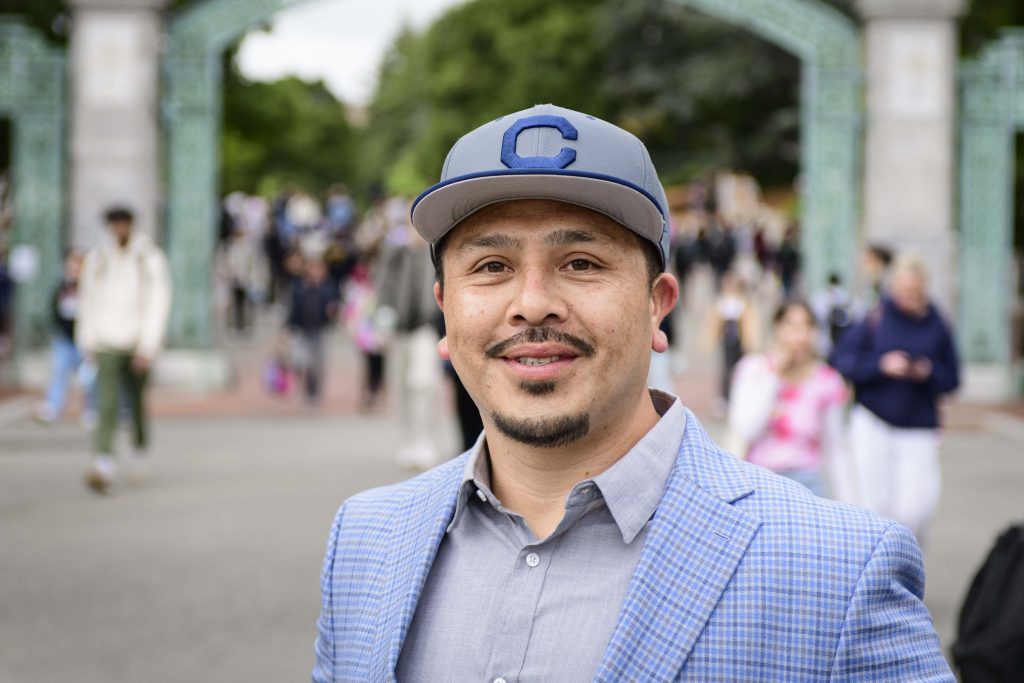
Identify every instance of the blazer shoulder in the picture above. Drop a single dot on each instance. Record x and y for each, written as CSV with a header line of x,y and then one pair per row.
x,y
389,504
792,514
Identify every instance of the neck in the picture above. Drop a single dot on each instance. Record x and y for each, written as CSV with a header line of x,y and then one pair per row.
x,y
535,482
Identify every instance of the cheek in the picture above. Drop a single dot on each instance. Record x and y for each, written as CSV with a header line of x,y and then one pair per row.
x,y
470,319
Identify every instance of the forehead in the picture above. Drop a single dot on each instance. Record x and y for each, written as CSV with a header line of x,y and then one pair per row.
x,y
534,218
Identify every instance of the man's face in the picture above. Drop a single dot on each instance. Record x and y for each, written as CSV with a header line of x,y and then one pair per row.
x,y
122,231
550,319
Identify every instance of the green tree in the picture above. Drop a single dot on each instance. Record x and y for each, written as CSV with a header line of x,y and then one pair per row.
x,y
287,131
478,61
702,94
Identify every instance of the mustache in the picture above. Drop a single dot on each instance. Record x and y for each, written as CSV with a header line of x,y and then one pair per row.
x,y
536,335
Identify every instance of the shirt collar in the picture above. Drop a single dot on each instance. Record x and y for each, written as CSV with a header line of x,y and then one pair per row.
x,y
632,487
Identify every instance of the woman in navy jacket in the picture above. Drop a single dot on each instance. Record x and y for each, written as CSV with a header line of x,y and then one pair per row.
x,y
901,359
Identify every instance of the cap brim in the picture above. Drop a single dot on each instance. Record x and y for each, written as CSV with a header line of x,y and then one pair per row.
x,y
443,206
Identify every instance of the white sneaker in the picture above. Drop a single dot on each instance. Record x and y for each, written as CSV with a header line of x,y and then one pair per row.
x,y
101,473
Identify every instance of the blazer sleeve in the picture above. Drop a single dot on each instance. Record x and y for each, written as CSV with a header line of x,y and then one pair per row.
x,y
323,669
888,633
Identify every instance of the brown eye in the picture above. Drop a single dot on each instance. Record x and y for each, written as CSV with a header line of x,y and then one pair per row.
x,y
493,267
581,265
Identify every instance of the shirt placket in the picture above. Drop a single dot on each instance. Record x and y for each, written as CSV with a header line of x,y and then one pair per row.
x,y
517,606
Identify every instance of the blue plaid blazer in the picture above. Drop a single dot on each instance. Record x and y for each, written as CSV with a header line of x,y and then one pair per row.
x,y
745,576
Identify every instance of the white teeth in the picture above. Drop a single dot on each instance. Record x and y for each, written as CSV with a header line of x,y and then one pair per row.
x,y
538,361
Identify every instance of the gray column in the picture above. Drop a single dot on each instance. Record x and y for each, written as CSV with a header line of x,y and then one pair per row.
x,y
114,147
909,170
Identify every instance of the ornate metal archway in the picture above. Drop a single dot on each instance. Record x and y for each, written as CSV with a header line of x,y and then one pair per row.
x,y
192,112
992,111
32,96
827,43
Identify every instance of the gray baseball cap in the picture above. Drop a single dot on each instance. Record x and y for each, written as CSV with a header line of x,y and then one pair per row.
x,y
547,152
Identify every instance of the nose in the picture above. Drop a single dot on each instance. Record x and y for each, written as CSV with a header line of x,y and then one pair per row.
x,y
537,300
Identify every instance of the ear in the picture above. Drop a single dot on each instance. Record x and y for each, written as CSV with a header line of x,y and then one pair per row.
x,y
664,295
439,295
442,349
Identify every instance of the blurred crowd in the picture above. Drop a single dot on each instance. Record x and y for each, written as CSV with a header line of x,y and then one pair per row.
x,y
319,263
837,388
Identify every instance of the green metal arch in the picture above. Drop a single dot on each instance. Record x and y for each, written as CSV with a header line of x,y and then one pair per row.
x,y
827,43
32,96
991,113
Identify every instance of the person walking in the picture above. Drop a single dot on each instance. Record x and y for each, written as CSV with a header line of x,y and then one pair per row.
x,y
595,532
359,312
404,278
65,357
125,295
787,406
732,326
314,306
901,360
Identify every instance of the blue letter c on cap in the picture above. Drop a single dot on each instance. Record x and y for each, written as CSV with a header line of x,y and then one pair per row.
x,y
508,143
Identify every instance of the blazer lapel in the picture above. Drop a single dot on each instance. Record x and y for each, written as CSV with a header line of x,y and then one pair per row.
x,y
417,533
696,540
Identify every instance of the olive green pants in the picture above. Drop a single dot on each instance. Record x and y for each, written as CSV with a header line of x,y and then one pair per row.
x,y
115,375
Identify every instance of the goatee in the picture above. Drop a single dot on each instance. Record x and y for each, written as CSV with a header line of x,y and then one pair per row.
x,y
544,433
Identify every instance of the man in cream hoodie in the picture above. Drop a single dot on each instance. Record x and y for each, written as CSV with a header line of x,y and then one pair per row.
x,y
125,295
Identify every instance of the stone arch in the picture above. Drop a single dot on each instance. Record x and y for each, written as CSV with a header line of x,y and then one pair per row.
x,y
32,96
991,113
827,43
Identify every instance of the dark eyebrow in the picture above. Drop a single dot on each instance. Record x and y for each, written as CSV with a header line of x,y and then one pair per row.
x,y
492,241
560,238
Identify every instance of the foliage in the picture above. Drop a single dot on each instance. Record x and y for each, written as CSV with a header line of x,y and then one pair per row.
x,y
984,20
700,93
477,62
288,131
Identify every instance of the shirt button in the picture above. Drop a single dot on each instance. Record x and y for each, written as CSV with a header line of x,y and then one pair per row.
x,y
481,495
499,680
532,559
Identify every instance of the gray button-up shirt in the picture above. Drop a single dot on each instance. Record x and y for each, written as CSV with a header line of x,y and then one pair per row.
x,y
501,604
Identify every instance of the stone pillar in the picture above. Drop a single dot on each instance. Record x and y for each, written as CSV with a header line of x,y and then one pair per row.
x,y
910,162
114,147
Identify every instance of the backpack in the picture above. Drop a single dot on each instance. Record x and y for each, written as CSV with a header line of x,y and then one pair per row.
x,y
990,645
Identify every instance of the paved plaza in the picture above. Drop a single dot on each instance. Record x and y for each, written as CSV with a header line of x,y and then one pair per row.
x,y
209,571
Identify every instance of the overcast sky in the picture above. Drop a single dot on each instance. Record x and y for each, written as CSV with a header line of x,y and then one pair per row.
x,y
340,41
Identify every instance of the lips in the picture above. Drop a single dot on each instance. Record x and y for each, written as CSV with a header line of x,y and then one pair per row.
x,y
538,362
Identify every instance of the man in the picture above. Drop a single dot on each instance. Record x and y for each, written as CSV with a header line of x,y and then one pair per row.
x,y
901,360
125,295
595,532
